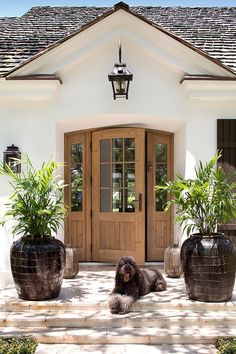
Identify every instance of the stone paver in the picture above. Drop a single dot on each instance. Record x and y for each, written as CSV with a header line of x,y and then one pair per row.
x,y
126,349
91,288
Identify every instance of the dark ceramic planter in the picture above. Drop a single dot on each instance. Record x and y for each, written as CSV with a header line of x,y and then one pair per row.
x,y
37,267
209,265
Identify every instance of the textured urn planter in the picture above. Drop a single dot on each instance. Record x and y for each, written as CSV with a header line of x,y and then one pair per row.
x,y
209,267
203,204
37,267
36,211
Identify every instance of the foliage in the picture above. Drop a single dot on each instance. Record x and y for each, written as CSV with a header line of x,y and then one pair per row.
x,y
22,345
226,345
36,205
205,202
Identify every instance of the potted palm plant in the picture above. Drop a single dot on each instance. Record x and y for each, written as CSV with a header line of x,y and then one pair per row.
x,y
36,211
202,205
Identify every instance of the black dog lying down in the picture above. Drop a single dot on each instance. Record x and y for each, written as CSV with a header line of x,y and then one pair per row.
x,y
131,282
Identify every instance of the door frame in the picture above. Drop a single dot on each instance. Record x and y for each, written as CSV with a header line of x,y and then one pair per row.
x,y
87,237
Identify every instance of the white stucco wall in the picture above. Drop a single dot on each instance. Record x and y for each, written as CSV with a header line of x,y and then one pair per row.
x,y
84,100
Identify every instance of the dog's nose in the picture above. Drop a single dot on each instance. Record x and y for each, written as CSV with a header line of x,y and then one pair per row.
x,y
127,269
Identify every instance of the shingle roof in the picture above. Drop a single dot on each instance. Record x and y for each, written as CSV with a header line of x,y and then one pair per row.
x,y
212,29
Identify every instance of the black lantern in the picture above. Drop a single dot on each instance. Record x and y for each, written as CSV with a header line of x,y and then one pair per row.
x,y
120,78
12,152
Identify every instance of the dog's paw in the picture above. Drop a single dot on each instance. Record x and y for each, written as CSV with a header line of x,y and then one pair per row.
x,y
123,311
115,311
114,303
126,304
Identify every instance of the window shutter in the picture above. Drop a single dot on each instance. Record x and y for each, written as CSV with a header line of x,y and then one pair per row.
x,y
226,143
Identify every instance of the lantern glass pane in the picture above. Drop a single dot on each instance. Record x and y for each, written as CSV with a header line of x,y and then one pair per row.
x,y
120,86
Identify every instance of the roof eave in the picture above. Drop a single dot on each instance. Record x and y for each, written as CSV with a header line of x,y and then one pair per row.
x,y
188,78
210,88
35,77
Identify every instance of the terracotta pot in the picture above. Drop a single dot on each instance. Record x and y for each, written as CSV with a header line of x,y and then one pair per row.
x,y
209,264
37,267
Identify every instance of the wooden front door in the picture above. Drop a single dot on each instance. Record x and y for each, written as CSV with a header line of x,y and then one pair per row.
x,y
159,170
118,194
113,207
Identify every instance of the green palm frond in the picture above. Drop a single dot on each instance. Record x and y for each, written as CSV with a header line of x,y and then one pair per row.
x,y
36,204
203,203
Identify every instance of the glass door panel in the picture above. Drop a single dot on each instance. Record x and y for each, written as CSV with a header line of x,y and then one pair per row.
x,y
117,175
161,153
76,177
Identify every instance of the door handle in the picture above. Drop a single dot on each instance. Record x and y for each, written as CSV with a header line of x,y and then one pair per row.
x,y
149,166
140,201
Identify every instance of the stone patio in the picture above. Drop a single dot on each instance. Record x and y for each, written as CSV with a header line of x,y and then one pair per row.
x,y
80,319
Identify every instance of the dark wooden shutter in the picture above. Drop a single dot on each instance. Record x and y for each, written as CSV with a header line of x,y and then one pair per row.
x,y
226,143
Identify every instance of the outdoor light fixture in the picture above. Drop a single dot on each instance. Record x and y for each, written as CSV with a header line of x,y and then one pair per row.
x,y
120,78
12,152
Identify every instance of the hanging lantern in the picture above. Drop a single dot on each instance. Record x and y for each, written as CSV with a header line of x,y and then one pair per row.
x,y
172,262
72,262
9,157
120,78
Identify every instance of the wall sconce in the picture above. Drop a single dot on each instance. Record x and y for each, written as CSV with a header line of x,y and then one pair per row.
x,y
12,152
120,78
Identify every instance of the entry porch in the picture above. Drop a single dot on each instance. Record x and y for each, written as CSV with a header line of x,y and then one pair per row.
x,y
80,315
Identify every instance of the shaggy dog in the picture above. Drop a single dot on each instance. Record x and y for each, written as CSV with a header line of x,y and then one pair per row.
x,y
131,282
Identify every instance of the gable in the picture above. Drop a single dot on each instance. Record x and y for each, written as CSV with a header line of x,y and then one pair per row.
x,y
211,29
152,40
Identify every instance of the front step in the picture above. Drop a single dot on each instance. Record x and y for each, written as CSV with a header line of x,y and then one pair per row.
x,y
150,302
152,335
99,319
80,315
125,348
137,327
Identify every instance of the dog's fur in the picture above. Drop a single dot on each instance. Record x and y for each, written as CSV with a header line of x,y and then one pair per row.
x,y
131,282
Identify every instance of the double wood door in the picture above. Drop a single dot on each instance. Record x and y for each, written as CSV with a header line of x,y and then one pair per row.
x,y
113,207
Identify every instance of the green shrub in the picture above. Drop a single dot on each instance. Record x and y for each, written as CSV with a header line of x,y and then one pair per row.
x,y
13,345
226,345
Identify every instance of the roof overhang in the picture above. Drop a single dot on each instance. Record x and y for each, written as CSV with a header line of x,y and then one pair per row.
x,y
30,87
200,87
